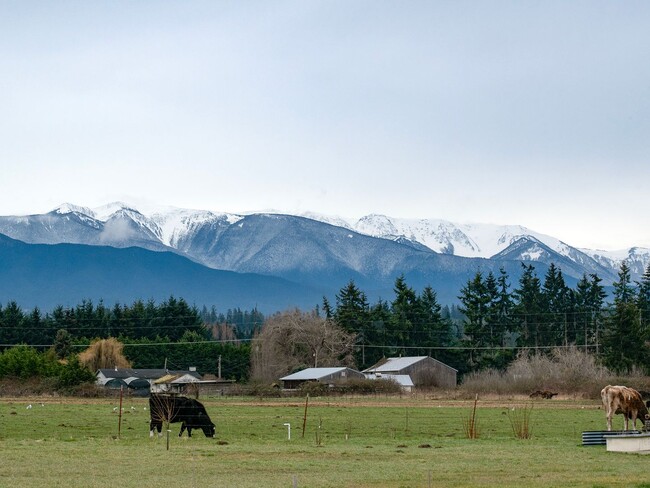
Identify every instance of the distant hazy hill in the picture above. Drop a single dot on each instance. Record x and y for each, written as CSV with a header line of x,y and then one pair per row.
x,y
64,274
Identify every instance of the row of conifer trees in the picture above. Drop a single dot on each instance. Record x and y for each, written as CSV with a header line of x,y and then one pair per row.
x,y
494,321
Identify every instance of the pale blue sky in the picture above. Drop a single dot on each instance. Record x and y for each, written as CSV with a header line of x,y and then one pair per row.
x,y
531,113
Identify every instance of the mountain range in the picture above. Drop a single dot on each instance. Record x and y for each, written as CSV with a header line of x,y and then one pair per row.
x,y
119,253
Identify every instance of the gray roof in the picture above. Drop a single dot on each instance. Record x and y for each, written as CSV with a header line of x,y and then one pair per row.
x,y
313,373
395,364
398,364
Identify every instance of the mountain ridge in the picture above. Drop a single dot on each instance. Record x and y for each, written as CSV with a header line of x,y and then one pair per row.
x,y
175,228
319,253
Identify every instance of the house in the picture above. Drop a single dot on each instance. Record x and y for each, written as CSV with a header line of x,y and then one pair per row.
x,y
322,375
173,383
138,379
403,380
423,370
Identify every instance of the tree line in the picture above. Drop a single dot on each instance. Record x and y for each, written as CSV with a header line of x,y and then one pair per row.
x,y
171,331
492,323
497,320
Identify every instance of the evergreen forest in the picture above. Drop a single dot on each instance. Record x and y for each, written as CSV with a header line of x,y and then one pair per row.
x,y
493,321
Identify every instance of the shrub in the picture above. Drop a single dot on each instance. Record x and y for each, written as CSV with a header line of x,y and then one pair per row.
x,y
313,389
73,373
370,387
25,362
42,372
90,390
569,371
520,421
351,386
259,389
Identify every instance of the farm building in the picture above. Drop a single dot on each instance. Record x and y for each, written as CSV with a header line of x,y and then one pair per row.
x,y
322,375
139,379
187,384
172,383
423,370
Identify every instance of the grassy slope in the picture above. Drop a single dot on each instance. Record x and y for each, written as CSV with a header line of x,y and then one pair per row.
x,y
363,444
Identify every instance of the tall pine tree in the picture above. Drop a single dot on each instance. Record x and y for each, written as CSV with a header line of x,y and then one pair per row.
x,y
528,307
624,340
352,315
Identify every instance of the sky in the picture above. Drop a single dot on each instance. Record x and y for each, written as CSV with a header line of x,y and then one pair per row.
x,y
534,113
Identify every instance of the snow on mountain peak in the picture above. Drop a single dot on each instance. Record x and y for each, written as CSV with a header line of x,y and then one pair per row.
x,y
442,236
105,212
173,225
176,223
66,208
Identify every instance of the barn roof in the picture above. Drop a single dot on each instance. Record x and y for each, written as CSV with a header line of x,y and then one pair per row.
x,y
313,373
389,365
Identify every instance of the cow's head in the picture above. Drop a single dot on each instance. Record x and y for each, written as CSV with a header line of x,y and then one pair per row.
x,y
209,430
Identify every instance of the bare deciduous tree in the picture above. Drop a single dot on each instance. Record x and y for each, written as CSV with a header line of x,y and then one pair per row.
x,y
293,339
162,411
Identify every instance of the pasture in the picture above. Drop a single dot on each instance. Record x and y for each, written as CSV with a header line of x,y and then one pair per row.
x,y
348,442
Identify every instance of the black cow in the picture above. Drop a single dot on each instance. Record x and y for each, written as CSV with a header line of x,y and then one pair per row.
x,y
167,408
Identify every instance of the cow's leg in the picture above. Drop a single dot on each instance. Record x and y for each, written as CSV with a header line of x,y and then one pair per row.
x,y
610,413
153,426
189,431
183,427
627,421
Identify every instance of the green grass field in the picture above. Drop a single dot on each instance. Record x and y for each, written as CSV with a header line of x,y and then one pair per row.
x,y
353,442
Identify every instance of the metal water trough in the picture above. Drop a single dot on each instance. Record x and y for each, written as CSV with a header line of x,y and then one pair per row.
x,y
597,437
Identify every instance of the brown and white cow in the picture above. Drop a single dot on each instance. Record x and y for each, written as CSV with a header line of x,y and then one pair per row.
x,y
628,401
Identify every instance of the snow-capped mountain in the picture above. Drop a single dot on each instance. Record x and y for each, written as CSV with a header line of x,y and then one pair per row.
x,y
273,255
468,240
637,258
170,225
202,236
491,241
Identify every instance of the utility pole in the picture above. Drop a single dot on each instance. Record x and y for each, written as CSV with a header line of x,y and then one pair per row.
x,y
219,367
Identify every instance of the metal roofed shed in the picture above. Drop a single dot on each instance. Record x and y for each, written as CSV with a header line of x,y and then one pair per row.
x,y
322,375
423,370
